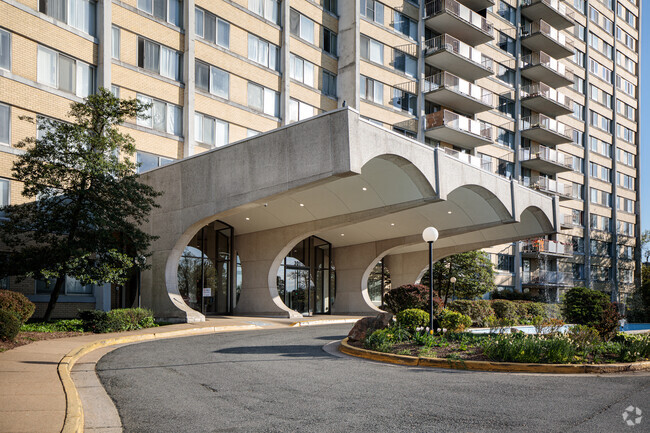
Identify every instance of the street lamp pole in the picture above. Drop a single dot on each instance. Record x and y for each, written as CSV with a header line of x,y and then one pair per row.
x,y
453,288
430,235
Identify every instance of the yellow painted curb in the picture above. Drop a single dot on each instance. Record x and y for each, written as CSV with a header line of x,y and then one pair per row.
x,y
506,367
74,415
323,322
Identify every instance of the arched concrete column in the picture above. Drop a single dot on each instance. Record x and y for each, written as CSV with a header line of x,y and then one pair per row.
x,y
352,269
406,268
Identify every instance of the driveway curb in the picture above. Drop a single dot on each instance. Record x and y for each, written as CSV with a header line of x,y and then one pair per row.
x,y
74,416
504,367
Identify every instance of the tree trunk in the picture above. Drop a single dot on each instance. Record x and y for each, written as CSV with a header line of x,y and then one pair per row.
x,y
54,296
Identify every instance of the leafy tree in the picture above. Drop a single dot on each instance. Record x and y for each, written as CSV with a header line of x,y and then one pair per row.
x,y
584,306
473,271
645,246
86,201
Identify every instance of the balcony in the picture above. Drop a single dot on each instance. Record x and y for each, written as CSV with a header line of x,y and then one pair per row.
x,y
458,130
545,130
537,247
554,12
541,36
569,222
545,160
450,91
449,54
477,5
564,191
544,68
544,99
451,17
546,278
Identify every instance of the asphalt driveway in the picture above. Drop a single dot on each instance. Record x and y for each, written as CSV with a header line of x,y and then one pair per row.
x,y
283,381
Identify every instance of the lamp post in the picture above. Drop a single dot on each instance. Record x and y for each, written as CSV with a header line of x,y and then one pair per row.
x,y
452,280
430,235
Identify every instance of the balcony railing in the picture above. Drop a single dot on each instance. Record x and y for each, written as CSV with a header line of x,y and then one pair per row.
x,y
567,220
458,85
546,246
436,7
465,157
541,89
544,28
546,278
455,121
557,5
543,59
541,121
450,43
546,154
549,185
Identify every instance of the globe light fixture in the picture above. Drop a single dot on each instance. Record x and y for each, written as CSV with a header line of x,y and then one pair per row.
x,y
430,235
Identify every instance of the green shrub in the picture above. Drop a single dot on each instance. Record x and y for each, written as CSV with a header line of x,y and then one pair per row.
x,y
96,321
380,341
632,348
583,336
17,303
453,321
479,311
65,325
411,296
528,348
413,318
9,325
504,310
553,311
534,309
511,295
608,324
521,311
126,319
584,306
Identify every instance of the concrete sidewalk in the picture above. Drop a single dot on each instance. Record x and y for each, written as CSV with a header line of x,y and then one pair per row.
x,y
33,398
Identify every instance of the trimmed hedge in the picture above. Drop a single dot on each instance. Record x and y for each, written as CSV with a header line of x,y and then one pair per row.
x,y
125,319
9,325
411,296
479,311
17,303
517,312
412,319
454,321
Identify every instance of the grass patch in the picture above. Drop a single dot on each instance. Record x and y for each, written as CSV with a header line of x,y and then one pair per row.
x,y
64,325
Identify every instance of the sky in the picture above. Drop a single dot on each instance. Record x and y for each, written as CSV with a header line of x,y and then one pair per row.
x,y
644,112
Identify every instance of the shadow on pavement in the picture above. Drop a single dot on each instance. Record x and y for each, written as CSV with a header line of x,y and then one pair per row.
x,y
296,351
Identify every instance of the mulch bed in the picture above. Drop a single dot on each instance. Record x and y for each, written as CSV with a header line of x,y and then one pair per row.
x,y
24,338
471,354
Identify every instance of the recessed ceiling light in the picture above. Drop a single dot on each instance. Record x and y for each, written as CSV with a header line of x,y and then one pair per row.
x,y
342,234
302,205
364,188
392,224
449,212
248,219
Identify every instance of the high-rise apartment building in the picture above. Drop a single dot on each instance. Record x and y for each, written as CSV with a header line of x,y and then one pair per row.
x,y
544,92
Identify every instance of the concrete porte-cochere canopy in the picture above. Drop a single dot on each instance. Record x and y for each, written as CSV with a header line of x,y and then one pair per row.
x,y
366,191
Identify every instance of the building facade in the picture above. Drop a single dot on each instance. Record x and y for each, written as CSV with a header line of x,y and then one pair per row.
x,y
543,92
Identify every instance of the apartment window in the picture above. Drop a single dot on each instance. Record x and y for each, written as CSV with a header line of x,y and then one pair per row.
x,y
211,28
405,101
625,38
405,25
626,276
624,133
159,59
299,110
329,84
601,46
626,110
579,32
505,168
599,172
5,122
602,198
506,43
372,50
625,204
579,84
600,273
506,262
577,190
329,42
578,137
251,133
580,5
599,121
600,248
600,147
626,181
578,111
5,50
625,86
267,9
625,157
607,25
578,270
263,52
625,62
576,217
161,116
405,63
601,71
578,57
331,6
167,10
373,10
506,138
302,27
72,287
505,74
115,91
626,15
578,164
600,96
264,100
372,90
625,228
302,70
507,12
64,73
149,161
212,79
115,42
594,15
210,131
79,14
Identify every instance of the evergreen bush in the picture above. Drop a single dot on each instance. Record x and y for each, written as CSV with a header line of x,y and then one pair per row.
x,y
9,325
17,303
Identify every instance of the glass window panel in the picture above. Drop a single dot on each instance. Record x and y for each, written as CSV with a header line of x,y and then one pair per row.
x,y
46,66
151,56
168,63
269,102
208,130
305,111
66,74
378,92
202,76
146,161
159,114
210,28
219,82
198,127
174,119
223,37
271,9
293,110
145,5
256,6
221,133
174,12
115,42
5,50
160,9
309,74
294,23
255,97
274,53
148,121
198,22
4,124
85,79
263,53
306,29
